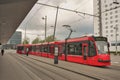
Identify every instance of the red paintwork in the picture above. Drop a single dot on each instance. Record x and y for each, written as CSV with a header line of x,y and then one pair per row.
x,y
72,58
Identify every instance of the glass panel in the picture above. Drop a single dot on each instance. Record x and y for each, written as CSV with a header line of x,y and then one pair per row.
x,y
71,49
102,47
92,51
79,49
85,49
74,48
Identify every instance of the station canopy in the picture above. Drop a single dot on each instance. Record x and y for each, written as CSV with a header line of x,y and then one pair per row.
x,y
12,13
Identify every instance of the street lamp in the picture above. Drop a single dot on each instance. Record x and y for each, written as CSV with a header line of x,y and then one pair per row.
x,y
116,29
53,34
69,28
24,41
45,18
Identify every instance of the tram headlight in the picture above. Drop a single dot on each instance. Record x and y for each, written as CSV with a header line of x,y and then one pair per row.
x,y
100,60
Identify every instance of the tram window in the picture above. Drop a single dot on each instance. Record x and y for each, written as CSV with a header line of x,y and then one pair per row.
x,y
79,49
118,44
71,49
45,49
92,49
52,49
37,48
18,48
74,48
42,49
21,48
34,48
63,48
48,49
85,50
30,49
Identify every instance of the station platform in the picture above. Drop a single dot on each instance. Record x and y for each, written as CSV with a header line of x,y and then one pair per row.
x,y
97,72
10,69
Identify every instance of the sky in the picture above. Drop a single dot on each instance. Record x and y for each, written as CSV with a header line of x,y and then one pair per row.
x,y
80,23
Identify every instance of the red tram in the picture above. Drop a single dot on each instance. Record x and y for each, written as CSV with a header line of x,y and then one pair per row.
x,y
88,50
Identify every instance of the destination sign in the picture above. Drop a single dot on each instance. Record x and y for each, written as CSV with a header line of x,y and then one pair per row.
x,y
100,38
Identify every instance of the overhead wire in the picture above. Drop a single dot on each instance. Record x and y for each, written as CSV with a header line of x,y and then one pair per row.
x,y
80,5
33,34
67,9
36,12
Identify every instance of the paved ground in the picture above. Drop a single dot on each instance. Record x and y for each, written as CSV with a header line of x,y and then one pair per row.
x,y
21,67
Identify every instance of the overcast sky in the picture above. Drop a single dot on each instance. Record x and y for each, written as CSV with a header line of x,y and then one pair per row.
x,y
81,23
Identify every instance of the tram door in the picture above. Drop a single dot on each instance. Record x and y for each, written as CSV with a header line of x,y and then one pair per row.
x,y
85,52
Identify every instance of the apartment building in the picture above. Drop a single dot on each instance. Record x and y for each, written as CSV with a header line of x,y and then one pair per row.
x,y
110,21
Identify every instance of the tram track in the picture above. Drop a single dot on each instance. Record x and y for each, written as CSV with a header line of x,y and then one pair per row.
x,y
51,78
82,74
30,67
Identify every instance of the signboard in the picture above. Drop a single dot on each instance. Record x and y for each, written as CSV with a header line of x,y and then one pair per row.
x,y
100,38
56,51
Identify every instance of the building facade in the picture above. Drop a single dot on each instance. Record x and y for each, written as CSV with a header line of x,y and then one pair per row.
x,y
16,38
110,21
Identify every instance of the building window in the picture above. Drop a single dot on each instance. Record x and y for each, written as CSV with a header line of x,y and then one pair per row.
x,y
116,25
106,18
106,14
110,4
116,16
106,23
116,11
106,5
106,31
106,35
111,35
106,27
117,34
111,17
116,20
111,31
110,13
111,26
111,21
112,44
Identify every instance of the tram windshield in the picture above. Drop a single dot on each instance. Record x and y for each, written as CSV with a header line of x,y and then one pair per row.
x,y
102,47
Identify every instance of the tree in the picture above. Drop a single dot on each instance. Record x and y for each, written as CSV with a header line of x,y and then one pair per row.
x,y
26,41
42,41
50,38
36,40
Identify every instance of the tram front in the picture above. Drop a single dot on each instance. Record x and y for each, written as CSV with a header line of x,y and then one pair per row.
x,y
102,47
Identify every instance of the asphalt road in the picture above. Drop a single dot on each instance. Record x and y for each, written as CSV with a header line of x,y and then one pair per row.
x,y
21,67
